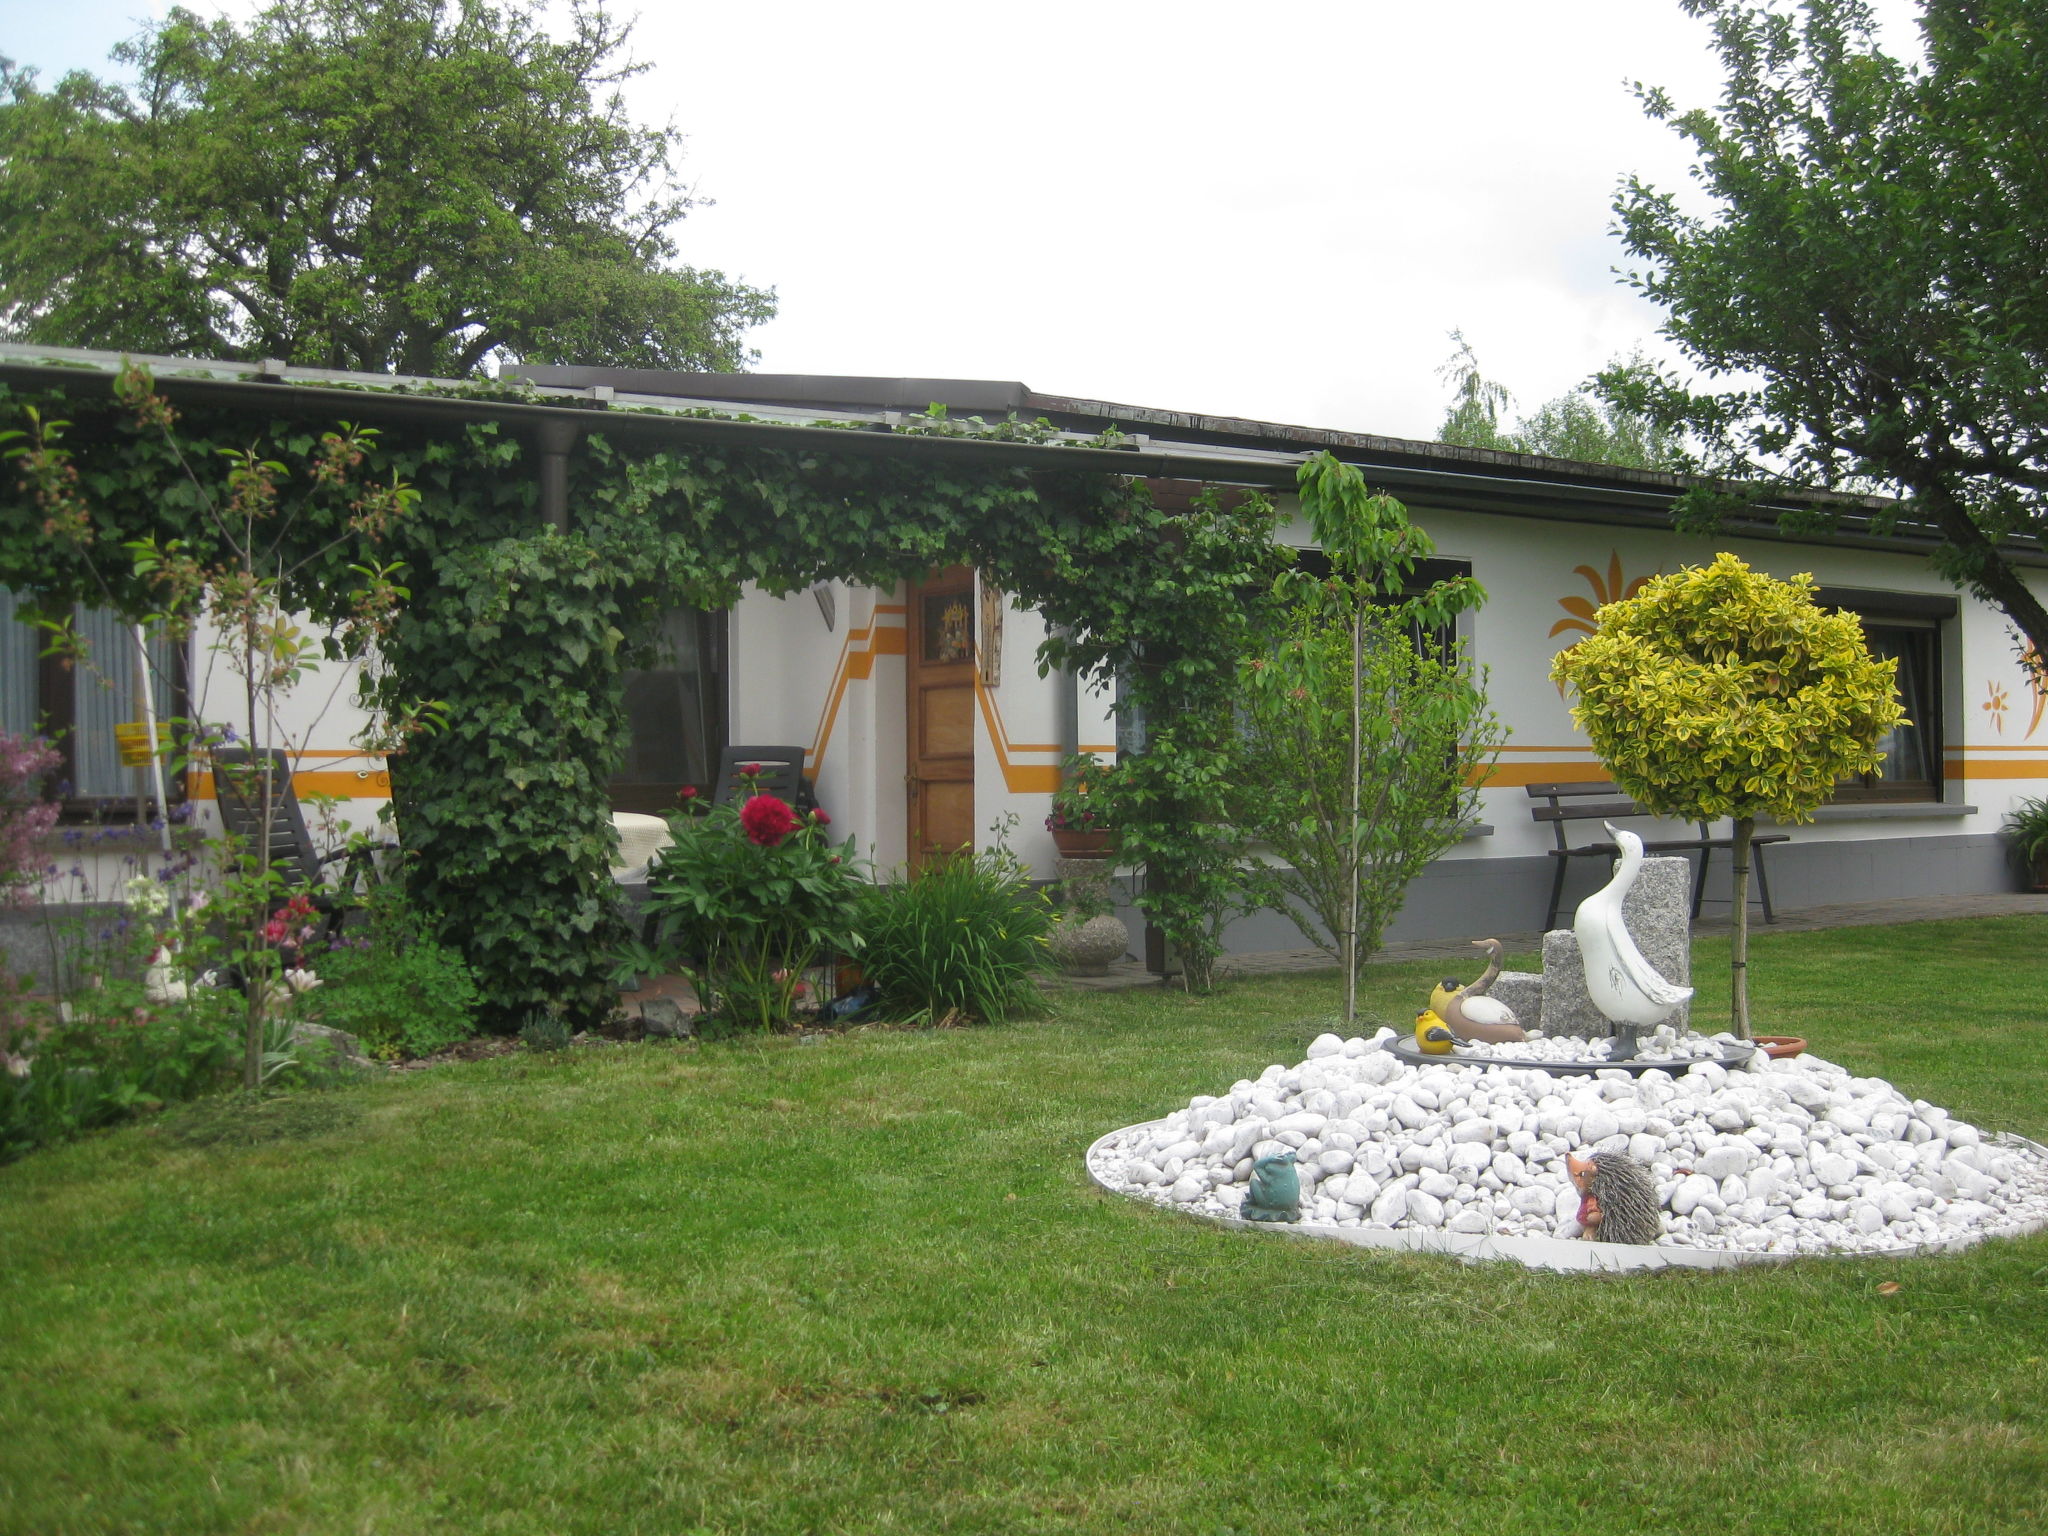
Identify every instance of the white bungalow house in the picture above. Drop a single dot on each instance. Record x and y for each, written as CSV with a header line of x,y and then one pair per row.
x,y
922,717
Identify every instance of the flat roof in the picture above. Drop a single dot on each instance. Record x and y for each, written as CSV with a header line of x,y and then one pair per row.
x,y
882,416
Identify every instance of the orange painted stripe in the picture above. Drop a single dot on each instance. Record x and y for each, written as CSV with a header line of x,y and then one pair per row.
x,y
343,784
1018,778
1999,768
857,653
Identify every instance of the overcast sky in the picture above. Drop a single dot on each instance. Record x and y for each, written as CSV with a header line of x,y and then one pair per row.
x,y
1277,212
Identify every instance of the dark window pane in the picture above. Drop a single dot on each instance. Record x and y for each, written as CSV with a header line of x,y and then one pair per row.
x,y
675,714
1912,766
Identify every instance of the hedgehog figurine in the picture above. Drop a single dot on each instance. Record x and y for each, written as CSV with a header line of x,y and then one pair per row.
x,y
1617,1198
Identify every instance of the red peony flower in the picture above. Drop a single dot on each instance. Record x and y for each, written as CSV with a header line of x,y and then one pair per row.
x,y
821,818
687,792
767,820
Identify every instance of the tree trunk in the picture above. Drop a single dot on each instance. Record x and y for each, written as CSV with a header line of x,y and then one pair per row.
x,y
1738,991
1351,859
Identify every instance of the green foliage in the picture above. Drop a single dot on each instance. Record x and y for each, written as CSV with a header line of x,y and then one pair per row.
x,y
373,184
522,633
1076,807
1426,740
2027,824
1718,691
1195,593
1361,758
1580,425
1864,296
962,939
116,1056
749,895
395,989
545,1031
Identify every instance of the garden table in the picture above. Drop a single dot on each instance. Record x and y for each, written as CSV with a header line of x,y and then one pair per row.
x,y
641,839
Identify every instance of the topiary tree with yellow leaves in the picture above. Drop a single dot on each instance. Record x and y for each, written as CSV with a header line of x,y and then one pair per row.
x,y
1720,691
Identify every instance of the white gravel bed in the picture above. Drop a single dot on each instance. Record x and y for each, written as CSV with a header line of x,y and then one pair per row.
x,y
1785,1157
1665,1044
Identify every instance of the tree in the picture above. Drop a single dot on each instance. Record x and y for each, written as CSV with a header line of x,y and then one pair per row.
x,y
1866,299
1578,425
419,185
1362,757
1718,691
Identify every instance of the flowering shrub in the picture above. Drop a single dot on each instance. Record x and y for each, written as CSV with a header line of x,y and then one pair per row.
x,y
747,898
767,820
1076,804
24,815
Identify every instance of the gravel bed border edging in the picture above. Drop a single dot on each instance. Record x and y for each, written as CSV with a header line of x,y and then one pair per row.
x,y
1554,1253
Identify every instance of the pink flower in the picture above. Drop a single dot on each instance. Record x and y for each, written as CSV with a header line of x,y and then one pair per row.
x,y
821,818
767,820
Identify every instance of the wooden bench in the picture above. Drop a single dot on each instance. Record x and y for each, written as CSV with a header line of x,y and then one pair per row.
x,y
1601,800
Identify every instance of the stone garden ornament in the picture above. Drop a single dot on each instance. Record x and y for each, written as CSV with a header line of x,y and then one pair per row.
x,y
1617,1198
1623,985
1275,1193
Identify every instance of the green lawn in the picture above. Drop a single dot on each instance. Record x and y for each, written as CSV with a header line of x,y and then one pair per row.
x,y
864,1285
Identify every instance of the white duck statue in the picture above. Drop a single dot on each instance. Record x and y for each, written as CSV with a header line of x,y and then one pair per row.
x,y
1623,985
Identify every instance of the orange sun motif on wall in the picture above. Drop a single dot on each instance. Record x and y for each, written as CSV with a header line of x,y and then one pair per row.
x,y
2037,684
1606,589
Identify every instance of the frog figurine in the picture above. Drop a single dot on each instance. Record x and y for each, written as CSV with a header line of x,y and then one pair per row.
x,y
1276,1189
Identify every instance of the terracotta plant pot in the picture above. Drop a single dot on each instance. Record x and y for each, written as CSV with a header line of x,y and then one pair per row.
x,y
1074,844
1781,1045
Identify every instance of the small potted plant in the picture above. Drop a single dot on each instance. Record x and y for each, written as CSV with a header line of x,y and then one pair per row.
x,y
1078,826
2027,822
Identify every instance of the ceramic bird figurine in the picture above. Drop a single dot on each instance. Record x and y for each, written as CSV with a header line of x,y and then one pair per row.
x,y
1432,1037
1468,1012
1623,985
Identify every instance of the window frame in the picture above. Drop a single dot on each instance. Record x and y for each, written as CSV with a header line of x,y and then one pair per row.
x,y
1927,614
56,719
715,639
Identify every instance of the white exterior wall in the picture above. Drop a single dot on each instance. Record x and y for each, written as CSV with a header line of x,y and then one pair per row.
x,y
839,692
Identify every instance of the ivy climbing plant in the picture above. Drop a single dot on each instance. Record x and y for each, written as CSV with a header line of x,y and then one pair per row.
x,y
523,631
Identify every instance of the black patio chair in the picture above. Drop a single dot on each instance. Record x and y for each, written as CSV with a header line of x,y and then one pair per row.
x,y
781,774
238,791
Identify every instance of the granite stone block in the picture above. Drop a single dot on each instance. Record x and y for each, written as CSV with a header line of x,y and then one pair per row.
x,y
1658,912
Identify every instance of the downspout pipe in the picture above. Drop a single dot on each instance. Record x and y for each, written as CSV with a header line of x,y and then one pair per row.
x,y
555,437
1066,704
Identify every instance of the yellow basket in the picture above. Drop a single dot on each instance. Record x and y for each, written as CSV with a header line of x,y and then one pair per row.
x,y
133,740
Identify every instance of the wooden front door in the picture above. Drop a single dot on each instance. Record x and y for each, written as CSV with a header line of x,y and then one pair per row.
x,y
940,780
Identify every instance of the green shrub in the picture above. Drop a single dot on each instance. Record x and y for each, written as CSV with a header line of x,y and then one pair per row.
x,y
962,939
116,1056
748,896
396,990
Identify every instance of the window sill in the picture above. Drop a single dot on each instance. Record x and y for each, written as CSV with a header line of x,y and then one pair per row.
x,y
1886,810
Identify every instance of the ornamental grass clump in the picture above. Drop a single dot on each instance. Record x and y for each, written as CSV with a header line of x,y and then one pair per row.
x,y
747,899
962,939
1720,691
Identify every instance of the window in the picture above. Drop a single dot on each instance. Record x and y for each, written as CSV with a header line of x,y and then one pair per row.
x,y
77,706
675,714
1907,627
